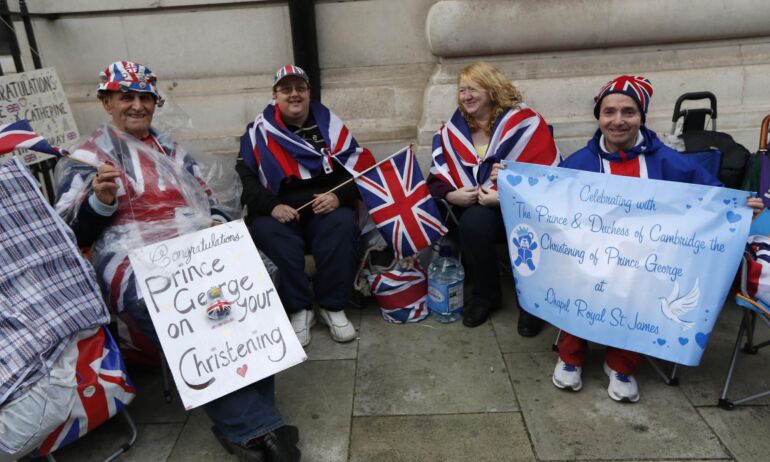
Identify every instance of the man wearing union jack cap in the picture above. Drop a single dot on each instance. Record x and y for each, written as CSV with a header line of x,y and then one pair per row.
x,y
147,189
623,145
291,155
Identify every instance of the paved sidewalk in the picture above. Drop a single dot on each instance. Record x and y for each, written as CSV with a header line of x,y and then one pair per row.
x,y
433,392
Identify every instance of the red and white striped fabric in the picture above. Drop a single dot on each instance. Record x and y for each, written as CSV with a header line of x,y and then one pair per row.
x,y
402,294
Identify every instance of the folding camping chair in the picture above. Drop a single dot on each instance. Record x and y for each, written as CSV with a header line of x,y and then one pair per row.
x,y
753,308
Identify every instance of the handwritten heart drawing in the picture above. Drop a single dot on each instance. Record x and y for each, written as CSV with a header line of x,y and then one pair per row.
x,y
514,180
551,177
732,217
732,230
701,339
688,206
242,370
661,341
537,305
700,199
532,181
726,201
683,340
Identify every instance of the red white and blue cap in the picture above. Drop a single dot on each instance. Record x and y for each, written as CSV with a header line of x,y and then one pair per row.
x,y
289,70
129,76
636,87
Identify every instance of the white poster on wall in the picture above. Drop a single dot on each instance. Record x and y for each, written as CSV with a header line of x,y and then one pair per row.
x,y
39,97
217,314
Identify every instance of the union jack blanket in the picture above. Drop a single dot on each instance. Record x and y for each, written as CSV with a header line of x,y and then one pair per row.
x,y
269,149
519,135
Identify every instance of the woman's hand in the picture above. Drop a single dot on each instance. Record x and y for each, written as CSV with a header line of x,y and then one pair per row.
x,y
495,170
463,197
283,213
489,197
104,184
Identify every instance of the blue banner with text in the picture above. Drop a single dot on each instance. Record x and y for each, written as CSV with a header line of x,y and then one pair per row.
x,y
643,265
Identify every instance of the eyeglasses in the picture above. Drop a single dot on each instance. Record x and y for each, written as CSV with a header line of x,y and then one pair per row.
x,y
289,89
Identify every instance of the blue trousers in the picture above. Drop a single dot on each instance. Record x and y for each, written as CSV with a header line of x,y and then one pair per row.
x,y
331,239
242,415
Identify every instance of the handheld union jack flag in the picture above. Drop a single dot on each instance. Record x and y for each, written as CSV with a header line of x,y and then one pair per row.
x,y
103,387
19,134
400,204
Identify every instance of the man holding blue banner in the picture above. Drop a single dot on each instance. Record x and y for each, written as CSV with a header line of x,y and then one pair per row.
x,y
291,155
622,145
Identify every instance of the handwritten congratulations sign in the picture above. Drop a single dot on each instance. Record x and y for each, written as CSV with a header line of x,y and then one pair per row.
x,y
39,97
643,265
216,312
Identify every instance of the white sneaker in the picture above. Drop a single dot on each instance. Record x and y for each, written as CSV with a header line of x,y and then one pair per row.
x,y
301,322
623,388
340,327
567,377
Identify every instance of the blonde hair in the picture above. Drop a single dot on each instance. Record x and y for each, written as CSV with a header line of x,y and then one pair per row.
x,y
503,94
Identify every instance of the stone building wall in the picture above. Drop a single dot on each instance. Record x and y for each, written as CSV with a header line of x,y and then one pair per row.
x,y
389,66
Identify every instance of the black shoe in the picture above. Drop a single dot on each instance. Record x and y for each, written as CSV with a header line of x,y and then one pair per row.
x,y
244,454
529,325
280,445
478,313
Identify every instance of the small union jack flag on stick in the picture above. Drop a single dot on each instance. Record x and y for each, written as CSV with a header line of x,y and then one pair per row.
x,y
19,134
400,204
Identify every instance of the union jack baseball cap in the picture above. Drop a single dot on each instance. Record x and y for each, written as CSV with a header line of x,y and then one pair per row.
x,y
129,76
289,70
636,87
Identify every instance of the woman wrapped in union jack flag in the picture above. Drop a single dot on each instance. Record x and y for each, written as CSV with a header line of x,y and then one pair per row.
x,y
490,125
147,189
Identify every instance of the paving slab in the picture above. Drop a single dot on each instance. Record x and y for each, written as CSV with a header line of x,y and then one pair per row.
x,y
441,438
323,347
743,431
589,425
196,442
150,406
154,443
429,368
317,397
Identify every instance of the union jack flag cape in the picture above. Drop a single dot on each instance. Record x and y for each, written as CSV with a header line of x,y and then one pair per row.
x,y
269,149
519,135
400,204
103,388
19,134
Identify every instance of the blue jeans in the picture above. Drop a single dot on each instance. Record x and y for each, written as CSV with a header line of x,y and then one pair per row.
x,y
332,239
242,415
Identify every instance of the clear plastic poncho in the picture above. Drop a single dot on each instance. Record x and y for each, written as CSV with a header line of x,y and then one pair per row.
x,y
161,195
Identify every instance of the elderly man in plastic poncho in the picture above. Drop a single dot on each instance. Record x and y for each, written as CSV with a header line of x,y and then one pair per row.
x,y
147,189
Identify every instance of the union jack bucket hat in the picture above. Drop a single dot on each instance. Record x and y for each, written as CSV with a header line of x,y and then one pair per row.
x,y
636,87
289,70
129,76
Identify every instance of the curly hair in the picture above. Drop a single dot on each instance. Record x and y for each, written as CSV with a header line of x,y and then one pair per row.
x,y
503,94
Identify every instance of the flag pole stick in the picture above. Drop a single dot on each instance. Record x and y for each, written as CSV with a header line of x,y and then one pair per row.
x,y
351,178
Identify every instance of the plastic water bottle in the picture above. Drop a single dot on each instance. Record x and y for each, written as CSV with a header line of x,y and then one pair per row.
x,y
445,287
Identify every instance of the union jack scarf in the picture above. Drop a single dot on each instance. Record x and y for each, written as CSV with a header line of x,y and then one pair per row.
x,y
519,135
156,186
269,149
